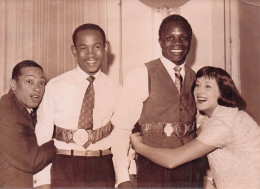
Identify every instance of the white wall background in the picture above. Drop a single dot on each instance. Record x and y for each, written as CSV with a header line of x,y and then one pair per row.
x,y
131,28
140,25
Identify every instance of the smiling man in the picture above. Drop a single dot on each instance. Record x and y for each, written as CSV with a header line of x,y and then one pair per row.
x,y
76,111
20,155
157,96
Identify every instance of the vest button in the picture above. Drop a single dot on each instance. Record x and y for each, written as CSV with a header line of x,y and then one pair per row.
x,y
180,109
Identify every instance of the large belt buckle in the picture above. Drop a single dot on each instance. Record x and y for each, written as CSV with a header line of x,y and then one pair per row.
x,y
80,137
168,129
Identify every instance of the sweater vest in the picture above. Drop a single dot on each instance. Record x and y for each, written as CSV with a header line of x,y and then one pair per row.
x,y
165,103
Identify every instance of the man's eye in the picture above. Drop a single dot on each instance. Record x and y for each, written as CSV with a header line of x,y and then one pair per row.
x,y
42,83
29,81
169,38
184,38
97,46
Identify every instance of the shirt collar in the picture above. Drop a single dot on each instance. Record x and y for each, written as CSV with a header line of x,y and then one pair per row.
x,y
82,75
30,110
169,65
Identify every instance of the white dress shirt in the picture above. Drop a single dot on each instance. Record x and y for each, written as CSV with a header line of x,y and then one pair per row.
x,y
61,105
134,93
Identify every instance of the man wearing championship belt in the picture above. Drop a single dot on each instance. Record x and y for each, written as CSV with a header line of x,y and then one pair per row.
x,y
158,97
76,110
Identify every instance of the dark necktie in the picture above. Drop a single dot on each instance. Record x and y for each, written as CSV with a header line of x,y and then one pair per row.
x,y
178,78
33,117
86,113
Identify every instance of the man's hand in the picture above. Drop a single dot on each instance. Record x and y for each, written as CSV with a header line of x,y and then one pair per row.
x,y
136,139
45,186
133,180
126,184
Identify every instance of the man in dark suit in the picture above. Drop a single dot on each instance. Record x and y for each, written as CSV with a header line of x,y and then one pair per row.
x,y
20,155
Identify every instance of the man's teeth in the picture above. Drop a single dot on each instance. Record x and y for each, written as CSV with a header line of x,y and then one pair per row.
x,y
176,51
91,61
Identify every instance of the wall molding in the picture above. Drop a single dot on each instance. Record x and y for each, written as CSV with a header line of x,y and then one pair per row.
x,y
232,42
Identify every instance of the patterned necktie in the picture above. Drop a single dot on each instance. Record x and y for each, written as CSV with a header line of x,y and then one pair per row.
x,y
86,113
33,117
178,78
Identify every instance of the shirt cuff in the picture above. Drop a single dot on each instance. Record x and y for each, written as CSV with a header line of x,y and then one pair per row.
x,y
132,168
121,171
43,177
123,178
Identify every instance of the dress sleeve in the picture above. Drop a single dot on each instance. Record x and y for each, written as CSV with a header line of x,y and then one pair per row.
x,y
215,133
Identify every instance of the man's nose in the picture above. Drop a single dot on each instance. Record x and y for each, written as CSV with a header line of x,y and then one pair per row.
x,y
90,52
177,41
36,87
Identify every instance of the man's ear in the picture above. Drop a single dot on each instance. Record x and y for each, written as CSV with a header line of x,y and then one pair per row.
x,y
73,50
13,84
107,47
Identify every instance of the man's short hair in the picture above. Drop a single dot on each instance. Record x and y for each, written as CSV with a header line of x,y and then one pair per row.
x,y
175,18
25,63
87,27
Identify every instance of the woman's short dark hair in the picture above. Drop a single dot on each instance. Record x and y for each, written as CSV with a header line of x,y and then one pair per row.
x,y
25,63
88,27
229,95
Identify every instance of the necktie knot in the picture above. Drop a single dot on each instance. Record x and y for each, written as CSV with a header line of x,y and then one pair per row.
x,y
178,78
177,69
91,79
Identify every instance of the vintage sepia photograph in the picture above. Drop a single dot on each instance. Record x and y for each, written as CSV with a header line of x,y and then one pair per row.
x,y
130,94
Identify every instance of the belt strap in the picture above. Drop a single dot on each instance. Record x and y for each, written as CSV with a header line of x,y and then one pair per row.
x,y
66,135
87,153
180,129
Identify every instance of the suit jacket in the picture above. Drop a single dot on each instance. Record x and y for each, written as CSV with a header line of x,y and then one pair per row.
x,y
20,155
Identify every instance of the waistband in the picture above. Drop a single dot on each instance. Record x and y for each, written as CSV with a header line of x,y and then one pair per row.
x,y
180,129
87,153
82,136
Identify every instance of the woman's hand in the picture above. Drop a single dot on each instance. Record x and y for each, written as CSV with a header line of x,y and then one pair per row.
x,y
136,141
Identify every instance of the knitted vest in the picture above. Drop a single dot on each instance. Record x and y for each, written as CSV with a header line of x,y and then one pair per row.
x,y
165,103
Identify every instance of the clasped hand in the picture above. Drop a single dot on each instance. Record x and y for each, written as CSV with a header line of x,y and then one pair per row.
x,y
136,140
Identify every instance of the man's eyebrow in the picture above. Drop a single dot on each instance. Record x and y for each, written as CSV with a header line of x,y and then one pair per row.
x,y
35,76
31,75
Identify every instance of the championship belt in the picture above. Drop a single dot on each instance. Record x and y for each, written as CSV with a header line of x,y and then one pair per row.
x,y
180,129
81,136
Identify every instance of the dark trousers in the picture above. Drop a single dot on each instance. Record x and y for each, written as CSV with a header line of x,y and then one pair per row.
x,y
189,175
82,172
